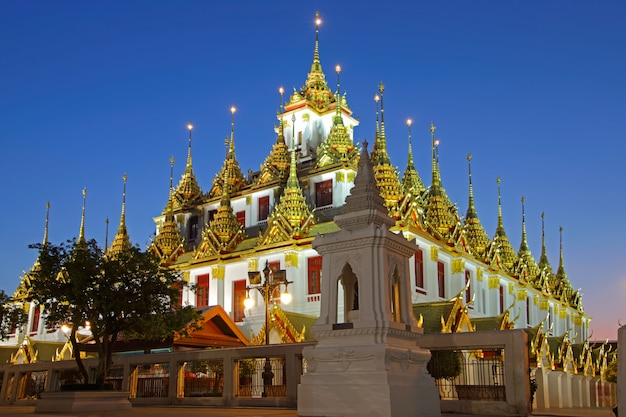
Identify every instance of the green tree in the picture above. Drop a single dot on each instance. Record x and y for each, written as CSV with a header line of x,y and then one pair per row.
x,y
120,297
12,315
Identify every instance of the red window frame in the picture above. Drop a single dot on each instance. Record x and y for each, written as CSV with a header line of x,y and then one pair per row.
x,y
202,290
314,274
239,294
441,279
501,295
36,316
264,207
241,218
419,269
324,193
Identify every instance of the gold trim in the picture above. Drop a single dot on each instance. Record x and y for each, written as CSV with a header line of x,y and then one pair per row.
x,y
218,271
434,253
494,282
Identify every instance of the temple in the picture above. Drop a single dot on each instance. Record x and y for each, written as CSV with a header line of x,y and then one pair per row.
x,y
220,236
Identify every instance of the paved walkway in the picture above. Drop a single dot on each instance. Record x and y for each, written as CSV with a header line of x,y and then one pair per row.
x,y
171,411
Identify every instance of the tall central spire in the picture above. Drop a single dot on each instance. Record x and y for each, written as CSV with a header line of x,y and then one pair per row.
x,y
315,91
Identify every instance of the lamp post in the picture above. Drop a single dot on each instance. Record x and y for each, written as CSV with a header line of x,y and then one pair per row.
x,y
272,281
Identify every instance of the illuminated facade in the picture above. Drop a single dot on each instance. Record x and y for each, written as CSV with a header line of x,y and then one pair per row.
x,y
216,236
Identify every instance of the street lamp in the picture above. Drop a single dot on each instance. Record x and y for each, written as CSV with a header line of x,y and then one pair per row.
x,y
272,281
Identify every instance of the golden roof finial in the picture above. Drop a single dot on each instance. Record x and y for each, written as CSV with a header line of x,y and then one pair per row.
x,y
123,215
432,139
81,233
507,254
525,258
45,230
560,274
168,243
121,241
190,127
232,129
476,236
524,244
316,55
471,210
338,120
381,90
281,91
543,260
411,181
409,122
106,232
188,191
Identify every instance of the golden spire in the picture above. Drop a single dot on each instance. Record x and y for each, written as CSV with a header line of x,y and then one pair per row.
x,y
291,218
275,166
45,231
411,181
23,290
440,215
338,146
476,236
387,179
224,232
188,191
315,91
563,288
106,232
121,241
560,273
525,259
543,260
168,243
231,172
81,233
502,244
379,153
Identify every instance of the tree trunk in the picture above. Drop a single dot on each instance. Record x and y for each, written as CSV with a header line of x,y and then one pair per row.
x,y
79,360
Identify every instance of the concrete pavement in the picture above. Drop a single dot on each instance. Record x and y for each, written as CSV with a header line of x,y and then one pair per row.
x,y
171,411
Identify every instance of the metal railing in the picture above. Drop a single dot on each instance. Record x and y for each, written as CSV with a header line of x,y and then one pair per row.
x,y
476,375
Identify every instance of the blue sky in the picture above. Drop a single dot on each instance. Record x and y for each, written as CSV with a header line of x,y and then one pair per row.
x,y
534,90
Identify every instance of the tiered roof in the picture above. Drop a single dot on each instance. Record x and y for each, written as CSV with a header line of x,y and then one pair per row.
x,y
477,238
386,175
121,242
168,243
188,191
